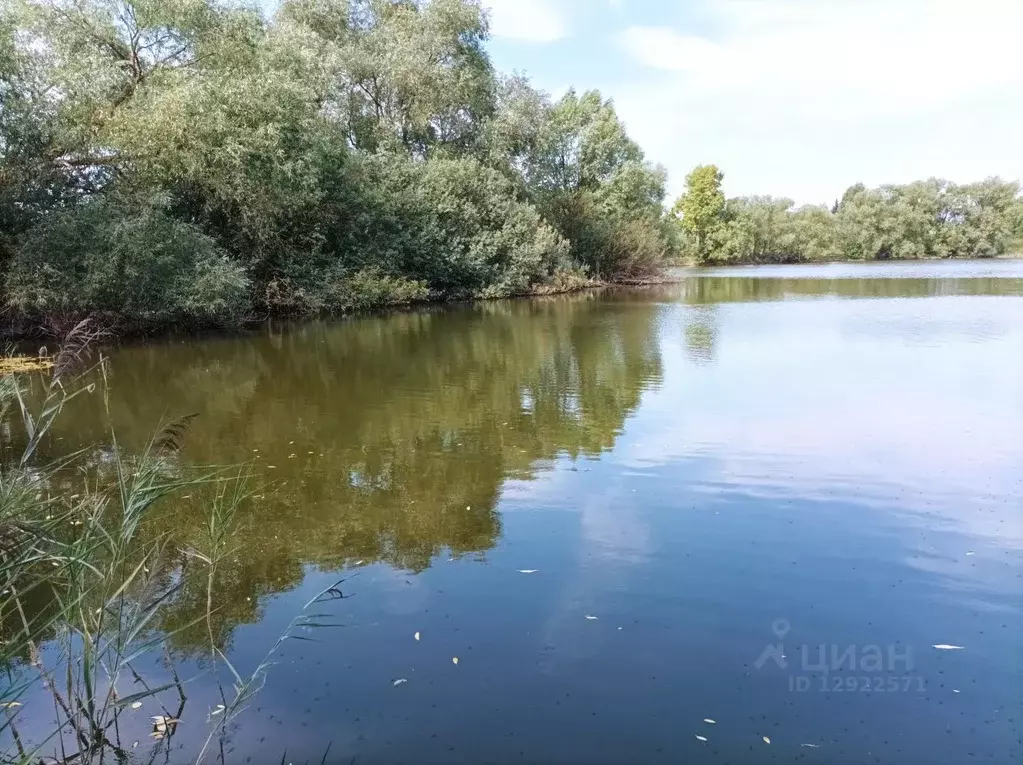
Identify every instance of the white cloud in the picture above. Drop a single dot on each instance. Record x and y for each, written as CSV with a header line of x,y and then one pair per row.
x,y
540,21
843,86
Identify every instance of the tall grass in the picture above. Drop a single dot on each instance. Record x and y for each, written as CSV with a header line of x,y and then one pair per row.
x,y
70,540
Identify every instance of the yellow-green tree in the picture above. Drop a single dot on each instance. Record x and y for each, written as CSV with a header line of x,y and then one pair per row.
x,y
700,207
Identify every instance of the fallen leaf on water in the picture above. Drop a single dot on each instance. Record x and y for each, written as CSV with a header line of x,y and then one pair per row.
x,y
955,690
136,705
400,680
134,744
767,740
946,647
708,720
971,553
217,710
10,704
528,570
592,618
454,660
810,746
416,636
700,738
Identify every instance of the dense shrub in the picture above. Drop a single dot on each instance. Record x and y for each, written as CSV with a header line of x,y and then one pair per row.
x,y
342,154
140,266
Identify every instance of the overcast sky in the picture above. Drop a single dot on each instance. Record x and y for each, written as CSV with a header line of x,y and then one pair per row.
x,y
798,98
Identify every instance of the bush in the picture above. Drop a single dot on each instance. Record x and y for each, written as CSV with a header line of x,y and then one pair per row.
x,y
342,292
457,227
142,267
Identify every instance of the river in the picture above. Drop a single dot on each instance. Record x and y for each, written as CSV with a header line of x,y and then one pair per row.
x,y
726,520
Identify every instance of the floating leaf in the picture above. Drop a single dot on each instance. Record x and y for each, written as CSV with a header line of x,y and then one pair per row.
x,y
810,746
10,704
416,636
591,618
711,722
217,710
971,553
767,740
136,705
946,647
528,570
400,680
701,738
454,660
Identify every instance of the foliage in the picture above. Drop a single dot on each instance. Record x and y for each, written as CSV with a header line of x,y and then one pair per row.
x,y
701,207
142,267
339,155
574,160
926,219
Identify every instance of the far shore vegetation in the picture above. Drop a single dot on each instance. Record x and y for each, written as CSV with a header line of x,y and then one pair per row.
x,y
925,219
199,164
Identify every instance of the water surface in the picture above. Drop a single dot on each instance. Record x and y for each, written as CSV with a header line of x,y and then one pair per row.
x,y
709,482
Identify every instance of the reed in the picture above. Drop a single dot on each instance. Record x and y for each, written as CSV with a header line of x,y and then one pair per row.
x,y
70,539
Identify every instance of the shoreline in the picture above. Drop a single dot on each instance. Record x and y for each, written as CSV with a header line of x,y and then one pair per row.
x,y
690,264
19,335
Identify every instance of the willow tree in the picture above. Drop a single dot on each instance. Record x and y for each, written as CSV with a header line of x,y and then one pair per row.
x,y
575,161
407,75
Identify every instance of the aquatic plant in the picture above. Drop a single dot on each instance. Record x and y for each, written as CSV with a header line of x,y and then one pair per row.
x,y
83,587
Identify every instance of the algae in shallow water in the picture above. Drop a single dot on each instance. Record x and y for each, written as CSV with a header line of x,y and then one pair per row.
x,y
12,365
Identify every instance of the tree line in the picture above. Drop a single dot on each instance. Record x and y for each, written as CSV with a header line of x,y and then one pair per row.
x,y
196,163
925,219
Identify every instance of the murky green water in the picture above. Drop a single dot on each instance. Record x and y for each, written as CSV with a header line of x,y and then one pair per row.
x,y
710,482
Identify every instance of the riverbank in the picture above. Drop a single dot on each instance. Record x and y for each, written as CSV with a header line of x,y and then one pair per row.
x,y
21,334
691,263
21,331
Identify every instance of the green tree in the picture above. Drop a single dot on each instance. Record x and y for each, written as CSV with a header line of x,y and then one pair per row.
x,y
574,160
701,206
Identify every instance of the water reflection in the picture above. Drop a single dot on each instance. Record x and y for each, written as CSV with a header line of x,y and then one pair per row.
x,y
381,439
688,463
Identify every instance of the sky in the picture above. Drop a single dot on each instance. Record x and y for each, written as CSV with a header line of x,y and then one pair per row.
x,y
794,98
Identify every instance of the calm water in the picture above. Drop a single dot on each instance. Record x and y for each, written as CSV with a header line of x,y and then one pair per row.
x,y
709,481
